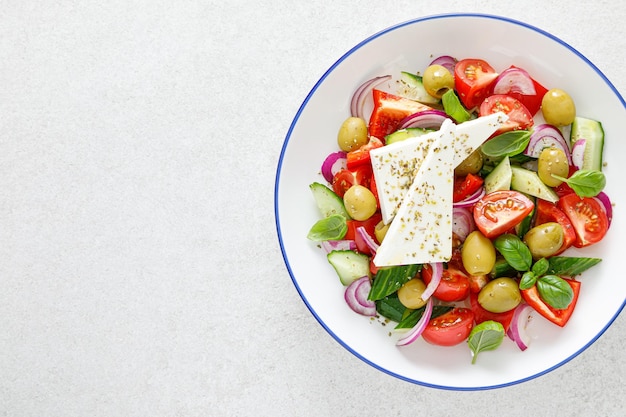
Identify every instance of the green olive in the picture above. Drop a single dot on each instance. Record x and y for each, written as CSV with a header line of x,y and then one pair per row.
x,y
544,240
437,80
352,134
500,295
380,231
470,165
478,254
360,202
558,107
410,294
552,161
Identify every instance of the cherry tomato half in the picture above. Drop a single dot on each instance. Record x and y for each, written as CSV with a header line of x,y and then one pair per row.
x,y
472,81
519,116
587,216
454,284
500,211
450,328
346,178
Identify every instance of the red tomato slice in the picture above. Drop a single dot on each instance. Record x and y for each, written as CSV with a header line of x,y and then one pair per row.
x,y
531,102
346,178
450,328
472,81
477,282
361,156
480,314
389,110
454,284
558,317
466,186
520,117
548,212
587,216
500,211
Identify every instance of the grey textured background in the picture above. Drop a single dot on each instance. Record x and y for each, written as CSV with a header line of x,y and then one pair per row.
x,y
139,268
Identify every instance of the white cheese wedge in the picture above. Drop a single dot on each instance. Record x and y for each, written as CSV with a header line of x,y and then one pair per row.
x,y
396,165
421,231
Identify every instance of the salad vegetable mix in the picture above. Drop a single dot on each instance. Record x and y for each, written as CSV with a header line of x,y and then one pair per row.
x,y
448,209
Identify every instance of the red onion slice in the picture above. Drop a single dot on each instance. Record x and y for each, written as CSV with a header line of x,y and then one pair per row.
x,y
462,222
578,153
545,136
437,272
331,245
445,61
426,119
514,80
369,240
415,332
605,202
333,163
471,200
517,331
356,297
362,92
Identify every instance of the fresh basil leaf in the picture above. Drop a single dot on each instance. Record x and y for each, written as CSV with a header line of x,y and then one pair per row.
x,y
487,335
389,280
555,291
391,307
528,280
411,319
507,144
570,266
514,251
541,267
585,182
333,227
453,107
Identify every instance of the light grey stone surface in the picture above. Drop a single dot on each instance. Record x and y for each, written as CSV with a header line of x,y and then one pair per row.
x,y
140,273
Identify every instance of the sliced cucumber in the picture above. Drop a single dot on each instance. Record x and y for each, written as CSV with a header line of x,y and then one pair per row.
x,y
410,86
349,265
528,182
327,201
500,177
593,133
402,134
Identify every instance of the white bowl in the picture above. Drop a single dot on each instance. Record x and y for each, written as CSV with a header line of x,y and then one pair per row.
x,y
312,136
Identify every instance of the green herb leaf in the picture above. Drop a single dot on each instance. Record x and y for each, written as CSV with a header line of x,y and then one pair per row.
x,y
453,107
555,291
570,266
585,182
507,144
502,269
389,280
528,280
541,267
411,319
514,251
333,227
487,335
391,307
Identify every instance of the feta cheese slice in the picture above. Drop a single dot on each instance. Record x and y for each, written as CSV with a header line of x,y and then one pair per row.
x,y
421,231
395,165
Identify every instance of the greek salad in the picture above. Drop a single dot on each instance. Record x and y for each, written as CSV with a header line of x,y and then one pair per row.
x,y
449,208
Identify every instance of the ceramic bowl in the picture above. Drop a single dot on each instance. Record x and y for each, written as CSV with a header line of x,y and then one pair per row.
x,y
410,46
